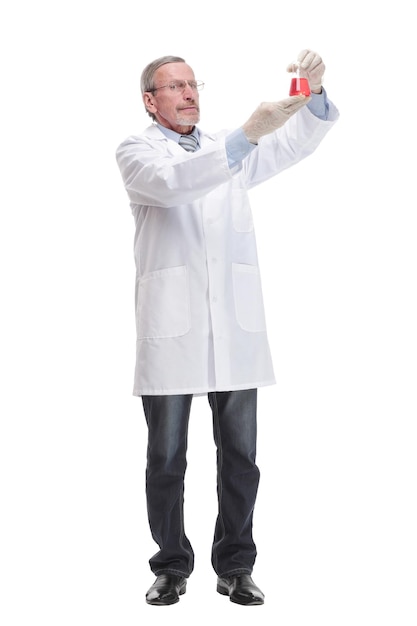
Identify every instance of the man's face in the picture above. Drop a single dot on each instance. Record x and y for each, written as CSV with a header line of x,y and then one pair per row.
x,y
174,109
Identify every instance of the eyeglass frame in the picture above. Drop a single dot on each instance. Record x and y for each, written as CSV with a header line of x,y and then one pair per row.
x,y
196,85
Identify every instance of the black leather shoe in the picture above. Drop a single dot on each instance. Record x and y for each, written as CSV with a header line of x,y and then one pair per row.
x,y
166,589
240,589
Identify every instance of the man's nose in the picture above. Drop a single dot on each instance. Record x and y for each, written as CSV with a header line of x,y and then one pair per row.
x,y
188,92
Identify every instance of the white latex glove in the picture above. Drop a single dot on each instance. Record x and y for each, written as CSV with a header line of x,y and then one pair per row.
x,y
272,115
311,67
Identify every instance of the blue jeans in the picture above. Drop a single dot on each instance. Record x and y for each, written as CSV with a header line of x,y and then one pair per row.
x,y
234,430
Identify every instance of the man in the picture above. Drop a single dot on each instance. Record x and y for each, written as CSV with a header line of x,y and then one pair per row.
x,y
199,309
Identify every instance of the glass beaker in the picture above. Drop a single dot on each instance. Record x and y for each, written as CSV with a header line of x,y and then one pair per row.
x,y
299,85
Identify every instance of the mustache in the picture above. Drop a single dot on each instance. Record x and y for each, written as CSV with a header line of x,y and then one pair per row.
x,y
188,105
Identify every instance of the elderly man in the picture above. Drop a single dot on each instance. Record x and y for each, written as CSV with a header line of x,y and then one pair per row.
x,y
199,308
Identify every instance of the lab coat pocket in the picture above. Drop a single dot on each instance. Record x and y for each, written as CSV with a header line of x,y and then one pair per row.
x,y
247,292
241,212
163,304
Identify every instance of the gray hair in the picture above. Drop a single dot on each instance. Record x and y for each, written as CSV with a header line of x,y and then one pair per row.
x,y
146,80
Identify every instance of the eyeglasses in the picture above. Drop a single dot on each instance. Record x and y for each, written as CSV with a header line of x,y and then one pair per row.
x,y
179,86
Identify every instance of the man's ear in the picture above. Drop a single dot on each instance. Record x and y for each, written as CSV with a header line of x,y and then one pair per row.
x,y
148,101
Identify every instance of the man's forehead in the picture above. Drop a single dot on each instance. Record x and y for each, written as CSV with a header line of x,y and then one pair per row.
x,y
174,70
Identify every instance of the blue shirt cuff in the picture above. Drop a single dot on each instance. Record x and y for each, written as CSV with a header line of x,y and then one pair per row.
x,y
237,147
319,105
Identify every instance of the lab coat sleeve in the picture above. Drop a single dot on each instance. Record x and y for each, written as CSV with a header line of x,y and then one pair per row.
x,y
291,143
160,173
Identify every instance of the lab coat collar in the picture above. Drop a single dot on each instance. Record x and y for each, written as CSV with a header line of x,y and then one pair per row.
x,y
154,133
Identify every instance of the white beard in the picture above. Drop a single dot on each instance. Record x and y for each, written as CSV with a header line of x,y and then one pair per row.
x,y
188,120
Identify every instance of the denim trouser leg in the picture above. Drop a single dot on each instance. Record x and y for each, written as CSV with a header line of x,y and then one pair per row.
x,y
167,419
235,431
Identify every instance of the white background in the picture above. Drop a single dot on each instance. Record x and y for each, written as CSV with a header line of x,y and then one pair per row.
x,y
336,514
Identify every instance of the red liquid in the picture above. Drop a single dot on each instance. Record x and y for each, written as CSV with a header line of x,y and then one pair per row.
x,y
299,86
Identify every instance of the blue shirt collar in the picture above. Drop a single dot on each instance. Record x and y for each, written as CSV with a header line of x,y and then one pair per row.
x,y
171,134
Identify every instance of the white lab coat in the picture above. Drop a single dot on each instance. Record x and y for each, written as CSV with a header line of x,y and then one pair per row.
x,y
199,307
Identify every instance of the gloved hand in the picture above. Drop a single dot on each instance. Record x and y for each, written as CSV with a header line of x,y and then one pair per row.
x,y
272,115
311,67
